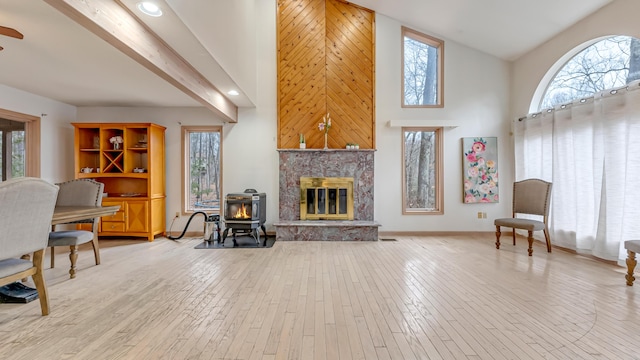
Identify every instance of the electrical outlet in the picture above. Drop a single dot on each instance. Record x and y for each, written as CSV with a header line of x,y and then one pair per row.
x,y
177,214
479,215
482,215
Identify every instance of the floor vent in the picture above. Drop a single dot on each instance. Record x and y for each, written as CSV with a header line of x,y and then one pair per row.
x,y
387,239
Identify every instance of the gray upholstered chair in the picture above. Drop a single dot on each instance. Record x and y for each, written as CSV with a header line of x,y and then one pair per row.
x,y
633,247
79,192
26,209
532,197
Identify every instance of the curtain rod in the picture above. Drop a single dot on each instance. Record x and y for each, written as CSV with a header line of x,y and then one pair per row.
x,y
582,100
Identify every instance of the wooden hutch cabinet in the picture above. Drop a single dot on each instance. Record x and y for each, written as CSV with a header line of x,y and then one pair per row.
x,y
133,174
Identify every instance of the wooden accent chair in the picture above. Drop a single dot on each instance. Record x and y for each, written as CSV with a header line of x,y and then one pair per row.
x,y
633,247
532,197
26,209
79,192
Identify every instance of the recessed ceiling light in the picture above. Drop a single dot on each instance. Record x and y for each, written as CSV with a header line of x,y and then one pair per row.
x,y
233,93
150,8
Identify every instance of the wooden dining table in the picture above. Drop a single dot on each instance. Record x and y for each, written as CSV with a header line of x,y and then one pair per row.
x,y
67,214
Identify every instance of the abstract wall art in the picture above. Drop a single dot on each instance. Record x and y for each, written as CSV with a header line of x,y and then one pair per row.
x,y
480,170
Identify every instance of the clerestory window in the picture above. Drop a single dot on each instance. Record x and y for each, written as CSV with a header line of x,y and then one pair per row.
x,y
423,66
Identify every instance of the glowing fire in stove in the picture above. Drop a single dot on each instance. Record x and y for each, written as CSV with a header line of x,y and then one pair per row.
x,y
241,213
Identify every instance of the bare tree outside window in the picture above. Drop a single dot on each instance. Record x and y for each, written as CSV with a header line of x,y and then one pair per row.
x,y
14,140
422,170
422,70
607,64
202,171
17,154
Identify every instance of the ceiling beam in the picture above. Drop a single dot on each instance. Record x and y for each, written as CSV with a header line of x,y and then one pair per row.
x,y
115,24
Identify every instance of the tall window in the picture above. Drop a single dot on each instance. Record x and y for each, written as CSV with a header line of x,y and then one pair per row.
x,y
422,191
422,70
607,64
202,154
12,149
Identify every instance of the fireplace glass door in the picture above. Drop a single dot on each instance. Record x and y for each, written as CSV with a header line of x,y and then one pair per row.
x,y
326,198
239,210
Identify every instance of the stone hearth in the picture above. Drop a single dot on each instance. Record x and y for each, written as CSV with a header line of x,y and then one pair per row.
x,y
358,164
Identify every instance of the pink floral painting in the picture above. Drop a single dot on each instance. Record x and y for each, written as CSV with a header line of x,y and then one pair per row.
x,y
480,170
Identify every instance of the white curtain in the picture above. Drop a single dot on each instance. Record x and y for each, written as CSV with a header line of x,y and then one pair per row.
x,y
590,150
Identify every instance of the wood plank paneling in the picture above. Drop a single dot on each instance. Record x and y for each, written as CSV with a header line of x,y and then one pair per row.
x,y
301,63
325,64
349,48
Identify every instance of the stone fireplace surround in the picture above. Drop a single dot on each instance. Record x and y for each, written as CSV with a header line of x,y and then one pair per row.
x,y
358,164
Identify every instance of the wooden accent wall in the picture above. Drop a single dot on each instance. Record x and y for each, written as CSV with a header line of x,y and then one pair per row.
x,y
326,51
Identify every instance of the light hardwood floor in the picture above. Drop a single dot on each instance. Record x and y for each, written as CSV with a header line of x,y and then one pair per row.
x,y
441,297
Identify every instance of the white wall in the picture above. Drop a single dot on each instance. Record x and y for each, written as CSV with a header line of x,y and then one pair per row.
x,y
617,18
476,96
56,133
250,148
234,23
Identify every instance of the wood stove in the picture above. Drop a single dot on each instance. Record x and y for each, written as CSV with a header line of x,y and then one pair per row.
x,y
244,213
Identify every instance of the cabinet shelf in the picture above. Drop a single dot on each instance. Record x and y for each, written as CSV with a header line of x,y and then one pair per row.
x,y
97,176
113,161
126,196
142,147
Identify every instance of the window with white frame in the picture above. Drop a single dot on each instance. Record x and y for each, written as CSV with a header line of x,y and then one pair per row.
x,y
201,166
422,69
422,170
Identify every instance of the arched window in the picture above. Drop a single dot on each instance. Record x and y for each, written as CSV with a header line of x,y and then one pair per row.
x,y
606,64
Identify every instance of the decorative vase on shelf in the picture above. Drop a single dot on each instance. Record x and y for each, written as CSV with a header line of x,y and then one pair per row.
x,y
324,126
303,144
116,146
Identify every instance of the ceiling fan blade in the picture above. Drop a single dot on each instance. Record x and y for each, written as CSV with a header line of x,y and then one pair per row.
x,y
7,31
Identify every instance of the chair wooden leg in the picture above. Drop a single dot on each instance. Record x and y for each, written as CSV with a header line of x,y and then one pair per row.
x,y
96,249
546,237
53,257
513,234
530,239
498,237
25,257
631,265
73,256
38,279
